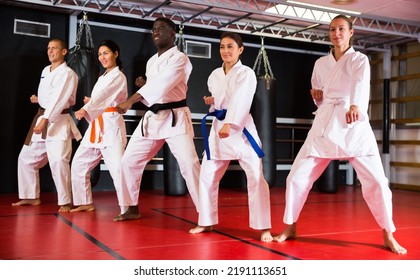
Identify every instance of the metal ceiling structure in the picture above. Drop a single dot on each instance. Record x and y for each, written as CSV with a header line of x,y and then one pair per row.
x,y
276,19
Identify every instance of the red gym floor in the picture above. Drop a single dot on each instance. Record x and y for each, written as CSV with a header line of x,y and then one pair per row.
x,y
332,227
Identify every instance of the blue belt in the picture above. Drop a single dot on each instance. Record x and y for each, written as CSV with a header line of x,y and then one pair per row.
x,y
220,115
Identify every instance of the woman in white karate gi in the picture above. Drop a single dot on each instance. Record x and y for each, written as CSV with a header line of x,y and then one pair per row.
x,y
106,135
232,88
341,130
49,139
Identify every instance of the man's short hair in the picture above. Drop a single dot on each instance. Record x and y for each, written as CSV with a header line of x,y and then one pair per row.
x,y
61,42
169,22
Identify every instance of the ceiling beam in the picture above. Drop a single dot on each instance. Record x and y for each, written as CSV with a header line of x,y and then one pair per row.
x,y
287,21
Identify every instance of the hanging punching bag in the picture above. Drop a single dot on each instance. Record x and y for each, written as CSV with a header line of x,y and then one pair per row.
x,y
83,60
174,183
263,112
329,179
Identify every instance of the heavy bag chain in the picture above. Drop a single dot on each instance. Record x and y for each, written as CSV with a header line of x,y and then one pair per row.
x,y
180,41
262,56
83,25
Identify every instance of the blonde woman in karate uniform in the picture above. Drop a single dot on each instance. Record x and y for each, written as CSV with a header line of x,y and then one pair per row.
x,y
341,130
232,87
50,137
106,135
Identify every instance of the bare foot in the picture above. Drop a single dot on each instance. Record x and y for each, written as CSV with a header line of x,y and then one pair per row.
x,y
87,207
132,213
288,233
65,208
200,229
32,202
266,236
392,244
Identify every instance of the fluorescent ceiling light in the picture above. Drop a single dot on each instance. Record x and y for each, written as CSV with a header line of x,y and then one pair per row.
x,y
298,12
324,8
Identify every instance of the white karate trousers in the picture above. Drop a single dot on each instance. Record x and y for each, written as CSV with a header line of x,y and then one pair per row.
x,y
306,170
85,160
212,172
141,150
37,155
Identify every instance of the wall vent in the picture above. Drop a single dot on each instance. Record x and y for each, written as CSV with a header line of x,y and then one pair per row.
x,y
32,28
198,49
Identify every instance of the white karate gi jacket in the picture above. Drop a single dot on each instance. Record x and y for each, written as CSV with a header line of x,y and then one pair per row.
x,y
330,135
167,81
56,92
344,82
233,92
109,91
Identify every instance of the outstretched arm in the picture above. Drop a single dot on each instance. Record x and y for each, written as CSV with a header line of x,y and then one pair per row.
x,y
136,97
126,105
80,114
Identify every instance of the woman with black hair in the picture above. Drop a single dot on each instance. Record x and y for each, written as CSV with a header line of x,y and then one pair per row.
x,y
106,135
233,136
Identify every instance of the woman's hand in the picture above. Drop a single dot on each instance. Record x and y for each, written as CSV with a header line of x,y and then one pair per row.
x,y
353,114
317,94
208,100
224,132
86,99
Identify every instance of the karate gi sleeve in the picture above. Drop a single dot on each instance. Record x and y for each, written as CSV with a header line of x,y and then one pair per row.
x,y
177,69
360,84
104,96
316,81
241,100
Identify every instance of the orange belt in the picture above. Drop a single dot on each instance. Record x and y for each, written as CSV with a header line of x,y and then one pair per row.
x,y
101,125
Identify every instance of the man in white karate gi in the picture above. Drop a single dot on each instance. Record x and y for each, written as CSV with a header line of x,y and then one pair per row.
x,y
49,139
168,118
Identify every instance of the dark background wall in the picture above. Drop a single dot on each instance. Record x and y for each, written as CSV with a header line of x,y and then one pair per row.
x,y
23,57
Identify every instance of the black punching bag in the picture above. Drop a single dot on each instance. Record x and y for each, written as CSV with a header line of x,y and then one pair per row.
x,y
84,61
328,181
264,113
174,183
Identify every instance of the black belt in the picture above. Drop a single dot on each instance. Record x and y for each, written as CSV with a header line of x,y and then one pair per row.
x,y
155,108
